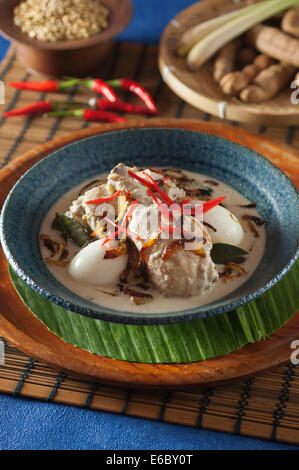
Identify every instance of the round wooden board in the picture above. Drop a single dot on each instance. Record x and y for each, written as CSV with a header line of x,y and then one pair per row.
x,y
28,334
199,88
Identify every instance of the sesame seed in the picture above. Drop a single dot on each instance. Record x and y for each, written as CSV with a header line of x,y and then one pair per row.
x,y
61,20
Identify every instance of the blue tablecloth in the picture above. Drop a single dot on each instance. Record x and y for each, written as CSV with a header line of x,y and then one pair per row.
x,y
29,424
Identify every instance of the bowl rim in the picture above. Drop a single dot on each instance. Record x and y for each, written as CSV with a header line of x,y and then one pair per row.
x,y
12,32
144,318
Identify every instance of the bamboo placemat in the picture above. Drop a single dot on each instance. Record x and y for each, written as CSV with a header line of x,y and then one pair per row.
x,y
265,406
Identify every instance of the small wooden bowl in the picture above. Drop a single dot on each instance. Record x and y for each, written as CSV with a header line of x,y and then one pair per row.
x,y
74,58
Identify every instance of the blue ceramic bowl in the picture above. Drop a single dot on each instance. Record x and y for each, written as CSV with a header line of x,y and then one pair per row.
x,y
249,173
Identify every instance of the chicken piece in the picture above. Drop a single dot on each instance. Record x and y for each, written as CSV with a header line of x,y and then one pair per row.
x,y
86,213
172,269
183,274
120,179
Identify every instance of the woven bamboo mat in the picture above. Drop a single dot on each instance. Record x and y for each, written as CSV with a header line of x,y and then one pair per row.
x,y
265,406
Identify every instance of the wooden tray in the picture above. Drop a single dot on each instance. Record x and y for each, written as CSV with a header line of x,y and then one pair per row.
x,y
28,334
199,88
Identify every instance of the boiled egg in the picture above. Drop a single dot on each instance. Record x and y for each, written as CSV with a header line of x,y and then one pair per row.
x,y
90,266
227,227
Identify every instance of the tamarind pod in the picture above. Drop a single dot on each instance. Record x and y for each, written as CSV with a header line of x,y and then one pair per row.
x,y
274,43
268,83
226,58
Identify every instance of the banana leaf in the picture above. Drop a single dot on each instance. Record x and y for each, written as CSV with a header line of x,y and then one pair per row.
x,y
183,342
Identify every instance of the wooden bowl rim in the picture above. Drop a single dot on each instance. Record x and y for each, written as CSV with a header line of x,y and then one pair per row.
x,y
251,359
12,32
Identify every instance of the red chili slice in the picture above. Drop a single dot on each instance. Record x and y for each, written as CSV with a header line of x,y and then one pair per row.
x,y
103,199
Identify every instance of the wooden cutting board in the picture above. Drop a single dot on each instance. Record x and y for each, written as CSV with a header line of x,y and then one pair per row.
x,y
28,334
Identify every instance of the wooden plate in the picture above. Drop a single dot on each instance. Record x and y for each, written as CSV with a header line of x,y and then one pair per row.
x,y
28,334
200,90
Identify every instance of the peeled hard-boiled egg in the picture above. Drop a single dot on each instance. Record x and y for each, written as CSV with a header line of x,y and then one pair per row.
x,y
228,228
89,265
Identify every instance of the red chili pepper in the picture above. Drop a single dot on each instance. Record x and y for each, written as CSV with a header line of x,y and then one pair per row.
x,y
90,115
186,201
129,212
151,185
207,205
150,193
46,86
141,180
170,229
36,108
101,116
134,87
101,87
161,193
103,199
36,86
120,106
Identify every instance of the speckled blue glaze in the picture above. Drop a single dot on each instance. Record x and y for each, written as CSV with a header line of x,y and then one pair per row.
x,y
249,173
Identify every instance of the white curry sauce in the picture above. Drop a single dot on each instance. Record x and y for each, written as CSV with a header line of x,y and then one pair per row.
x,y
253,242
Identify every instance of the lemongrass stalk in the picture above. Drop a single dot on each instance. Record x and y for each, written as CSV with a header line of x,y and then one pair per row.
x,y
212,42
194,34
